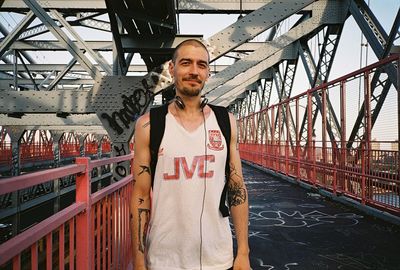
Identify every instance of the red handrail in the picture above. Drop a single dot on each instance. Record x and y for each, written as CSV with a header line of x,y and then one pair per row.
x,y
272,138
99,221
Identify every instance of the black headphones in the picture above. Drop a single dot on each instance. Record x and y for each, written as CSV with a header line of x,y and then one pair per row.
x,y
181,105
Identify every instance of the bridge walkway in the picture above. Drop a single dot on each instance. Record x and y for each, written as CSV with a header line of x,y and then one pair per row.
x,y
295,227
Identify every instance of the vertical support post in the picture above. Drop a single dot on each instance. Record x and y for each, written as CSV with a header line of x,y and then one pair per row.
x,y
99,146
82,145
17,262
273,154
343,155
363,171
398,115
310,143
57,135
279,136
15,69
61,247
297,139
34,256
56,148
267,154
16,157
368,126
287,137
84,247
258,138
15,134
324,159
49,251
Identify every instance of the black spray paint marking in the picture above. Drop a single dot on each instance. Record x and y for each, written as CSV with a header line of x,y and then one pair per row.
x,y
133,107
120,169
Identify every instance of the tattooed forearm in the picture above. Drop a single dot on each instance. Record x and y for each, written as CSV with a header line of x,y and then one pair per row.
x,y
141,201
143,224
144,169
237,194
233,174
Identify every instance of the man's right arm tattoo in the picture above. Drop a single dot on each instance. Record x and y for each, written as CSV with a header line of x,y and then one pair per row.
x,y
236,190
143,224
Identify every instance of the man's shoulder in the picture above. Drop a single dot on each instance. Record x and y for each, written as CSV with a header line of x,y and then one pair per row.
x,y
143,121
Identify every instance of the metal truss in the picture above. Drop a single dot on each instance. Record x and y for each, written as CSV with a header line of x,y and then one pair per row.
x,y
220,6
228,83
20,39
318,74
284,86
78,104
383,78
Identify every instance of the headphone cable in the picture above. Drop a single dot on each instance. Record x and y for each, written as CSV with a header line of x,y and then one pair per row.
x,y
205,188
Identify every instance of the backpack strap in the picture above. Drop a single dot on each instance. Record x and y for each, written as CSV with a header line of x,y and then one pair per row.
x,y
222,115
157,127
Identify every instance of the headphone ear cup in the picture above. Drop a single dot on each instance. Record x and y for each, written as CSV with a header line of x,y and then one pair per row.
x,y
179,102
203,103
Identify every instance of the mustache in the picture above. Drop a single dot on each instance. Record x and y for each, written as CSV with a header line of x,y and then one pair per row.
x,y
192,78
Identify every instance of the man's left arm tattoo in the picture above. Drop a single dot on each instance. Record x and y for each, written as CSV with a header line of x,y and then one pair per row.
x,y
143,220
236,190
145,169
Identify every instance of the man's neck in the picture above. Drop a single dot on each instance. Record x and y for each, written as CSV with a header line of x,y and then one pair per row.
x,y
192,104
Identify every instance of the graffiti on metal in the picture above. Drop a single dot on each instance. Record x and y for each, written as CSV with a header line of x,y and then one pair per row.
x,y
121,168
133,107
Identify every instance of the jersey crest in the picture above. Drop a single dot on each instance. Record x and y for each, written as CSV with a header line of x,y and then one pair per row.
x,y
215,140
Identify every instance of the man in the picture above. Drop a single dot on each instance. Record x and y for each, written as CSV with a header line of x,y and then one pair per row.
x,y
178,225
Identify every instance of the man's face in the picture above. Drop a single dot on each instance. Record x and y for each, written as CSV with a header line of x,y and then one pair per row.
x,y
190,70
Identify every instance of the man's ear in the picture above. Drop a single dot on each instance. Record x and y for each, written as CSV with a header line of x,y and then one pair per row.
x,y
171,68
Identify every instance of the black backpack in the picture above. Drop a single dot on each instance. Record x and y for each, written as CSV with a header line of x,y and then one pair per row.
x,y
157,127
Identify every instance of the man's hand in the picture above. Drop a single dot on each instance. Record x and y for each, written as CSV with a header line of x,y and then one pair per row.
x,y
242,262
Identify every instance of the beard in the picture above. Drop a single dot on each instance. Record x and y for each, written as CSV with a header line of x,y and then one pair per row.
x,y
192,91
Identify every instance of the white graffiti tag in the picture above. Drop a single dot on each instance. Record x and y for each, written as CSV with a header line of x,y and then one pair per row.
x,y
271,267
297,219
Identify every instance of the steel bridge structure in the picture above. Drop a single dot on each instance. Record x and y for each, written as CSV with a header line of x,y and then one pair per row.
x,y
74,115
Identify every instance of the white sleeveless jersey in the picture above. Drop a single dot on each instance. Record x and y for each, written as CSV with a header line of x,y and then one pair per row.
x,y
190,170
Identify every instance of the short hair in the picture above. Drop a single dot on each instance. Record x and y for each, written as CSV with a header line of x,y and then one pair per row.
x,y
191,41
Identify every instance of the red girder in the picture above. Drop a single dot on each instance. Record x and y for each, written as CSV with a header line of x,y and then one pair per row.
x,y
69,145
106,145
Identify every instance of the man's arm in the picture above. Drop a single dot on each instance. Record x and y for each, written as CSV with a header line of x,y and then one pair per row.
x,y
140,201
238,202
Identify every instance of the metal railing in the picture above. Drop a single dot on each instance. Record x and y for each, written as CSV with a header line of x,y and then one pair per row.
x,y
366,170
91,233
